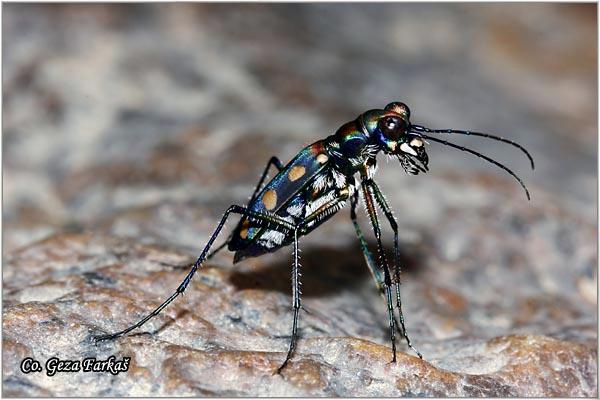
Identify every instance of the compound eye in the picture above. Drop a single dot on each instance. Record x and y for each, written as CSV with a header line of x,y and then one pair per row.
x,y
399,108
392,127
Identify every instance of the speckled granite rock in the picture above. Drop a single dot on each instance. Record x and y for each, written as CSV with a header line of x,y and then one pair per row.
x,y
129,129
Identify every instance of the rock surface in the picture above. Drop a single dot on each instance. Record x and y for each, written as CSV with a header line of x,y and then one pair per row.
x,y
129,129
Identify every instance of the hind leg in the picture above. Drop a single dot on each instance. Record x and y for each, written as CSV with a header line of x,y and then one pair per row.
x,y
270,221
272,161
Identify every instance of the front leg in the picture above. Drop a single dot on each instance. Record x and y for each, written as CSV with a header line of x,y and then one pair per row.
x,y
368,256
387,280
380,199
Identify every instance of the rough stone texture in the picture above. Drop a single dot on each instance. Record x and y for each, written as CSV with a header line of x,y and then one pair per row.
x,y
129,129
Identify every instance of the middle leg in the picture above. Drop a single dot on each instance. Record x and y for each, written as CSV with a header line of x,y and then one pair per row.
x,y
322,212
296,304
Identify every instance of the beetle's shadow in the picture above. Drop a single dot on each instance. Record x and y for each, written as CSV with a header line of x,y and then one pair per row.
x,y
325,270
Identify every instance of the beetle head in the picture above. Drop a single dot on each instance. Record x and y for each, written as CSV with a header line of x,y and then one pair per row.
x,y
389,129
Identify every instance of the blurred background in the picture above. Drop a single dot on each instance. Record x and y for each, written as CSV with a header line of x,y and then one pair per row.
x,y
108,107
145,121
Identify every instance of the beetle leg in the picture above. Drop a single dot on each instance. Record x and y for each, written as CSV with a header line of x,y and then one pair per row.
x,y
272,161
387,280
296,303
380,199
321,212
270,221
363,244
368,256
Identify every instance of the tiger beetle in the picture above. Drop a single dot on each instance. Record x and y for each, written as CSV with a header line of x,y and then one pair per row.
x,y
316,184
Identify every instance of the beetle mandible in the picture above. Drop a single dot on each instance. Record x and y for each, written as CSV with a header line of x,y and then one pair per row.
x,y
316,184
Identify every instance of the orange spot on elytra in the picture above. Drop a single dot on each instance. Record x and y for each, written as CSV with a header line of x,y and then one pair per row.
x,y
296,173
269,199
244,229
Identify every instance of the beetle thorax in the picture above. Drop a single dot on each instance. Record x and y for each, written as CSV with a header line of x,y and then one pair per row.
x,y
353,150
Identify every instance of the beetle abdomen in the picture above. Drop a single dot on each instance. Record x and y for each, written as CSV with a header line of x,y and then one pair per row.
x,y
284,197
